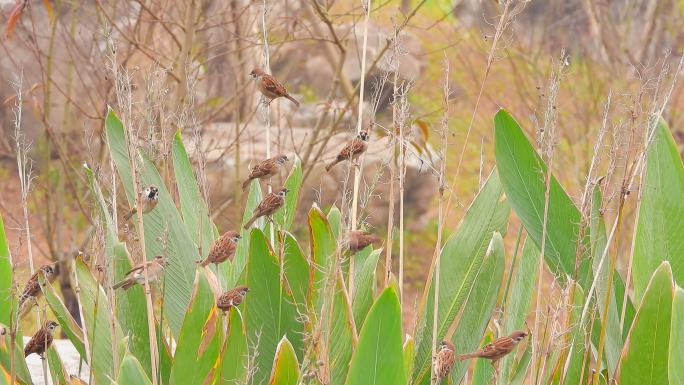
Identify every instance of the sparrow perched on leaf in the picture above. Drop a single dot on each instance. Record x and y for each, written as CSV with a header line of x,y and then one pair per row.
x,y
222,249
497,348
150,198
444,360
271,203
358,240
42,340
352,150
32,289
266,169
155,269
270,87
232,297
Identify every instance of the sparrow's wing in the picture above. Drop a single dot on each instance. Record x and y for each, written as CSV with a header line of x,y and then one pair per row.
x,y
352,148
269,205
136,269
272,85
262,169
36,343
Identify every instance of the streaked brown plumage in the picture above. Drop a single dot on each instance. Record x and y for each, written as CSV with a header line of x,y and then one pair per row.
x,y
42,340
155,269
444,360
497,348
32,288
232,297
270,87
352,150
358,240
150,198
269,205
265,169
222,249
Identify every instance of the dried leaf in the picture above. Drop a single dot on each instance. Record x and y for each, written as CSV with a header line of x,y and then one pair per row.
x,y
14,17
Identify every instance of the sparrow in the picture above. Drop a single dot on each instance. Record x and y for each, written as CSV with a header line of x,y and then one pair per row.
x,y
352,150
497,348
32,288
270,87
42,340
269,205
155,268
444,360
358,240
150,198
266,169
222,249
232,297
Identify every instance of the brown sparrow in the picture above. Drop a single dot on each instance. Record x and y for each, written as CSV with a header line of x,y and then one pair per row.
x,y
270,87
358,240
352,150
150,198
266,169
32,289
497,348
232,297
155,268
444,360
42,340
269,205
222,249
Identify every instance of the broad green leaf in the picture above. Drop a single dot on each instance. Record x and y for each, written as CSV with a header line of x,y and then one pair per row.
x,y
341,338
198,345
599,242
129,303
163,223
97,320
240,260
364,282
523,176
461,259
677,339
132,373
20,368
575,368
235,354
519,372
660,226
335,220
6,296
479,305
57,372
66,322
409,354
323,251
645,357
285,216
378,358
520,298
269,309
192,203
297,272
285,367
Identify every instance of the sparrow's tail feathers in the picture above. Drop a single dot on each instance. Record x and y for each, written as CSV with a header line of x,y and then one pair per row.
x,y
467,355
203,262
250,222
246,183
293,100
130,214
125,284
331,165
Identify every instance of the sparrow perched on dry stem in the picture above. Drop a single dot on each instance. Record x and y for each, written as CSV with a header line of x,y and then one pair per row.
x,y
497,348
444,360
222,249
266,169
155,269
357,240
232,297
270,87
352,150
32,289
150,197
42,340
271,203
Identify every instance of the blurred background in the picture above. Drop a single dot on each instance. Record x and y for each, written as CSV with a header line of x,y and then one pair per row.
x,y
184,65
